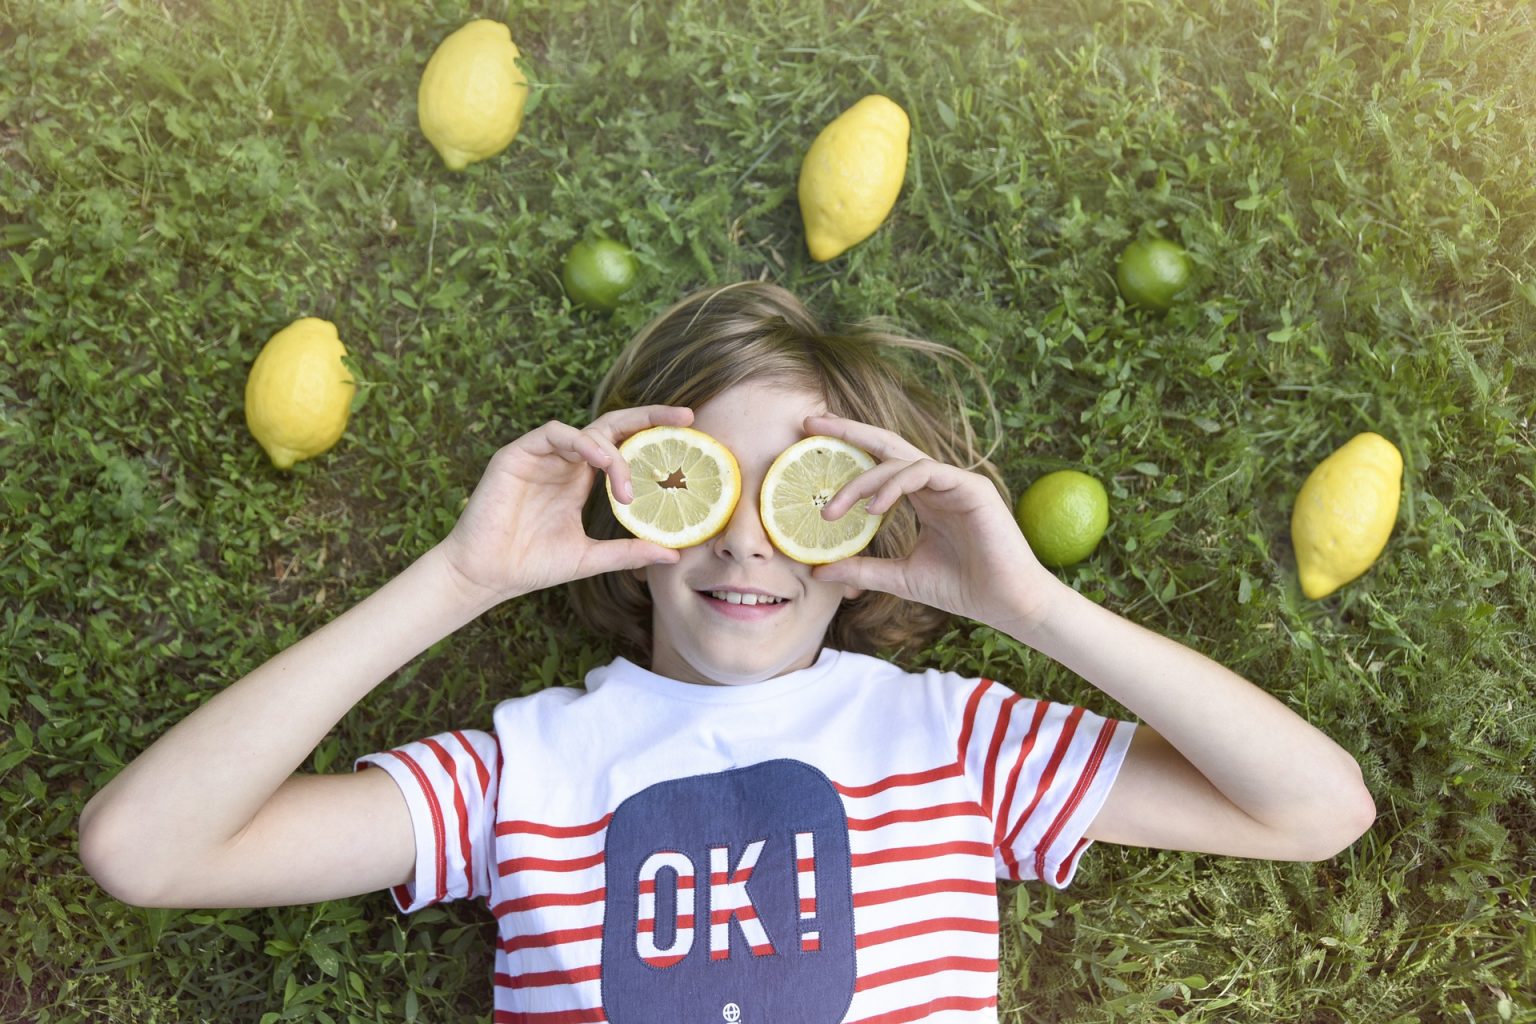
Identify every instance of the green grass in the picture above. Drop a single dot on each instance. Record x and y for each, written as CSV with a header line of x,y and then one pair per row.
x,y
1355,180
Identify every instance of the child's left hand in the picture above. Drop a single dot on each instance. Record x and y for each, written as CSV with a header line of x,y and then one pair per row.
x,y
970,558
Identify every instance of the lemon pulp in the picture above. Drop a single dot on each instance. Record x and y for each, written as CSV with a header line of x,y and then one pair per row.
x,y
799,484
685,483
695,488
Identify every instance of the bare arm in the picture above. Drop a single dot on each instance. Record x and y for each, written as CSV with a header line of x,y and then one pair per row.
x,y
172,828
212,813
1219,765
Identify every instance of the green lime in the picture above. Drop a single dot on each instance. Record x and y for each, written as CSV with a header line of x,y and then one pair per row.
x,y
1063,516
597,272
1151,272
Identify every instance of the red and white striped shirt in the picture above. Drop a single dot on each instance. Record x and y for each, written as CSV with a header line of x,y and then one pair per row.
x,y
821,847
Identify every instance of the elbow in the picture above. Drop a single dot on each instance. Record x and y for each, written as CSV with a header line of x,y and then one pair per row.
x,y
115,861
1362,814
1349,815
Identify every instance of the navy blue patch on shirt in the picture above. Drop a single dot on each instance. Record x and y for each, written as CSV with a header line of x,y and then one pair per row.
x,y
729,898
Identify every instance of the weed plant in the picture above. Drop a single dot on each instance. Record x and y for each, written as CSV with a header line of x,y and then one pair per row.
x,y
1354,179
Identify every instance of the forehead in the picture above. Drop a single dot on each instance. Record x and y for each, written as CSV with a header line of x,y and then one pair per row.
x,y
752,417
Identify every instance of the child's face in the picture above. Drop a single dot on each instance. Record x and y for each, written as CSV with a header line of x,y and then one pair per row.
x,y
698,638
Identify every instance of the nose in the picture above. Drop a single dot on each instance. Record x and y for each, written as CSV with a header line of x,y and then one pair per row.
x,y
744,538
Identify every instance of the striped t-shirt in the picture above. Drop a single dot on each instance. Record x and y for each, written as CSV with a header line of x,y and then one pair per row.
x,y
817,848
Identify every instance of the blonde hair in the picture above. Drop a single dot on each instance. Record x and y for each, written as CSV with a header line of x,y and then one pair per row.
x,y
718,337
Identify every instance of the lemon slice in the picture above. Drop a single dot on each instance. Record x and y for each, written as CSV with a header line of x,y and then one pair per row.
x,y
686,485
799,484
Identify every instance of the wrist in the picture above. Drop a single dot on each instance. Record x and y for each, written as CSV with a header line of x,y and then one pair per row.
x,y
1031,613
470,598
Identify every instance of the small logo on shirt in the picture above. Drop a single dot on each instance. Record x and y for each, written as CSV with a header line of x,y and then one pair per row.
x,y
730,1013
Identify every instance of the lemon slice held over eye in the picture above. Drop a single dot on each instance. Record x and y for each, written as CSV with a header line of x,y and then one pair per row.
x,y
799,484
686,485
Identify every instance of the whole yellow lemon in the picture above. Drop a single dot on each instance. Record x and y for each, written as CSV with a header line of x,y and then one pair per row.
x,y
851,175
299,393
472,93
1344,513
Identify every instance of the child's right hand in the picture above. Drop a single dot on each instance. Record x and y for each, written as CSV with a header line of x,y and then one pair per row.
x,y
522,530
189,824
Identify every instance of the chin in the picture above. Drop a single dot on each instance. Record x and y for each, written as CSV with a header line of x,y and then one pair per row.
x,y
736,672
740,668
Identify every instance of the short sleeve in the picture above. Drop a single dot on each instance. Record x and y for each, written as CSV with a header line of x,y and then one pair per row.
x,y
1043,770
450,783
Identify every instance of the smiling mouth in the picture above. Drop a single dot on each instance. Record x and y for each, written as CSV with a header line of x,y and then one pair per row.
x,y
750,600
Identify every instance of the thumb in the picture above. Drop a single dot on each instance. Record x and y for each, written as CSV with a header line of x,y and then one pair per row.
x,y
618,555
863,572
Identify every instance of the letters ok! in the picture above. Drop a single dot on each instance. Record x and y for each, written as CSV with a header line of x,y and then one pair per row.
x,y
728,901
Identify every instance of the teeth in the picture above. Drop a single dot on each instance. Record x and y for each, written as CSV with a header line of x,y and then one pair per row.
x,y
735,598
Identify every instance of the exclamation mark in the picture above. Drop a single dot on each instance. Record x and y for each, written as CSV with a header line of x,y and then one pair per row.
x,y
805,874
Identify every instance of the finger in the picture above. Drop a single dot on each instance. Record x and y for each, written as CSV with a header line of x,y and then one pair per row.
x,y
613,427
861,486
881,443
619,555
584,446
620,423
913,477
616,466
927,476
866,573
574,446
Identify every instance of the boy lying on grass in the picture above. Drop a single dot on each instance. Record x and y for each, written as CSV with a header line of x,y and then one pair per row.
x,y
754,817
